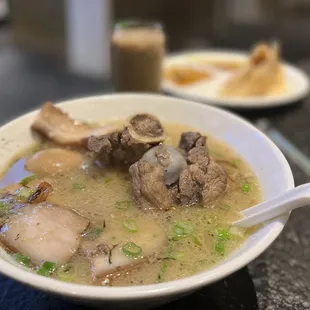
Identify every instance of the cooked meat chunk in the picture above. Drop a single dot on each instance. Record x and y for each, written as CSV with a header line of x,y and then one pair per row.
x,y
191,139
124,147
163,178
59,127
44,232
170,158
148,185
203,179
53,160
106,253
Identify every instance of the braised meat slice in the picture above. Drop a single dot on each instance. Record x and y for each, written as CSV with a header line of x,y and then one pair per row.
x,y
56,125
44,232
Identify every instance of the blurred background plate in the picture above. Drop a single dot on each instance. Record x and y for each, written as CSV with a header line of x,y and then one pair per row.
x,y
206,91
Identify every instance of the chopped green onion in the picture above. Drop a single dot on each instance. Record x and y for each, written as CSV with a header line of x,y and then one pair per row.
x,y
220,248
24,193
78,186
22,259
123,204
182,229
93,233
130,225
222,234
47,268
27,180
196,241
164,265
178,255
236,162
246,187
107,180
66,273
131,249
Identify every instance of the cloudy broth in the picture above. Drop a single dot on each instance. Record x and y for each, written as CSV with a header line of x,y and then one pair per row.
x,y
104,197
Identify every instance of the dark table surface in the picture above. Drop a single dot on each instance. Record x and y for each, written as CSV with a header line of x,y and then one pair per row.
x,y
278,279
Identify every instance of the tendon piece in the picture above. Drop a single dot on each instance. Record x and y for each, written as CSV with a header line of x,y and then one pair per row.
x,y
56,125
262,75
44,232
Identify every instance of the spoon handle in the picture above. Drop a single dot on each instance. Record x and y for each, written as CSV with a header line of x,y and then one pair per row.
x,y
267,210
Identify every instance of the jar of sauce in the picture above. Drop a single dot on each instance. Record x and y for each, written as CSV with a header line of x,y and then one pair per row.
x,y
137,52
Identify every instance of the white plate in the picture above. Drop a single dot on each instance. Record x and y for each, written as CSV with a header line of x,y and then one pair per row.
x,y
206,91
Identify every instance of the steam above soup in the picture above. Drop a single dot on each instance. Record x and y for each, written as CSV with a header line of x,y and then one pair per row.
x,y
135,202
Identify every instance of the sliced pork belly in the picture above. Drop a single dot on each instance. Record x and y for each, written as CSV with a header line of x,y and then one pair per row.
x,y
59,127
44,232
106,253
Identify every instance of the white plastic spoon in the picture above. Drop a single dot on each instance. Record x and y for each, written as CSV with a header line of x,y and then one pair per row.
x,y
267,210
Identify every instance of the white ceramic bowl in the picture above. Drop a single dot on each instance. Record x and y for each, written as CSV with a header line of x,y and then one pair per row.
x,y
264,157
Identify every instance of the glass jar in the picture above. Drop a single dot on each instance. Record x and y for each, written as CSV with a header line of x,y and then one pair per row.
x,y
137,52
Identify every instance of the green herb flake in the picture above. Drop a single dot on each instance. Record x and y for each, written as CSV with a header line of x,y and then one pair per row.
x,y
46,268
246,187
222,234
182,229
130,225
107,180
164,265
27,180
131,249
66,273
236,162
123,204
220,248
93,233
24,193
22,259
78,186
196,241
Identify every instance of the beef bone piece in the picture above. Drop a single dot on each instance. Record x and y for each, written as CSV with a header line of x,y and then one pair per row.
x,y
126,146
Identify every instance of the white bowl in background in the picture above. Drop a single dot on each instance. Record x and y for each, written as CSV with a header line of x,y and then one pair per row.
x,y
266,160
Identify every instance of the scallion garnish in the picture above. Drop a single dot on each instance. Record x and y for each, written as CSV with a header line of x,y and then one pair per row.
x,y
107,180
196,241
24,193
78,186
182,229
46,268
22,259
130,225
220,248
131,249
66,273
27,180
123,204
93,233
246,187
222,234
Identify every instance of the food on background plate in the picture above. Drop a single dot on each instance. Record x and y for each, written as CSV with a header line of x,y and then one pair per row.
x,y
137,202
262,75
186,74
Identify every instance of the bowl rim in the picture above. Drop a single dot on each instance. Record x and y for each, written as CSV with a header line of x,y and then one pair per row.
x,y
175,287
